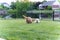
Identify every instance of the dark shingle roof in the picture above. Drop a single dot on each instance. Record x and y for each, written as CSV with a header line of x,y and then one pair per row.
x,y
48,3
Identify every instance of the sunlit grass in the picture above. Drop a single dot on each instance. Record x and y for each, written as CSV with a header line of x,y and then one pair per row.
x,y
18,29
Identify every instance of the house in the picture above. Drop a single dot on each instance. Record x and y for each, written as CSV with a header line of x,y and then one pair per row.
x,y
55,6
3,12
55,9
45,4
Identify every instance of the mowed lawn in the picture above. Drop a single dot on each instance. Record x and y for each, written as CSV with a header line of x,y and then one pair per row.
x,y
18,29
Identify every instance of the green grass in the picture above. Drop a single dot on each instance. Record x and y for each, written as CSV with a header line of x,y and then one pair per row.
x,y
19,30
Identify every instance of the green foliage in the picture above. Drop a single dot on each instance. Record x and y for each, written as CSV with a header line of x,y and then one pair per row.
x,y
49,8
59,0
36,5
21,7
1,7
11,11
13,5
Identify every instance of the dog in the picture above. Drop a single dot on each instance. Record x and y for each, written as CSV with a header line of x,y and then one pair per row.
x,y
36,20
28,19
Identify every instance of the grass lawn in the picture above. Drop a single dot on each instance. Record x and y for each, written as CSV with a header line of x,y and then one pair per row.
x,y
19,30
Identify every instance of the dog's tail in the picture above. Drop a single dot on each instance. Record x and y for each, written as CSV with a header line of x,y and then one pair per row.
x,y
24,16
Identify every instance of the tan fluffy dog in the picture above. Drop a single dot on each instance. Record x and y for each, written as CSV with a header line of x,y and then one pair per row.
x,y
28,19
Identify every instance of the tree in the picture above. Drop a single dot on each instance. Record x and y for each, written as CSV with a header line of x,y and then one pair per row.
x,y
13,5
59,0
21,8
1,7
12,13
36,5
48,8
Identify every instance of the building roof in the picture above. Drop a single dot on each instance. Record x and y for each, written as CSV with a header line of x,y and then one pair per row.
x,y
48,3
